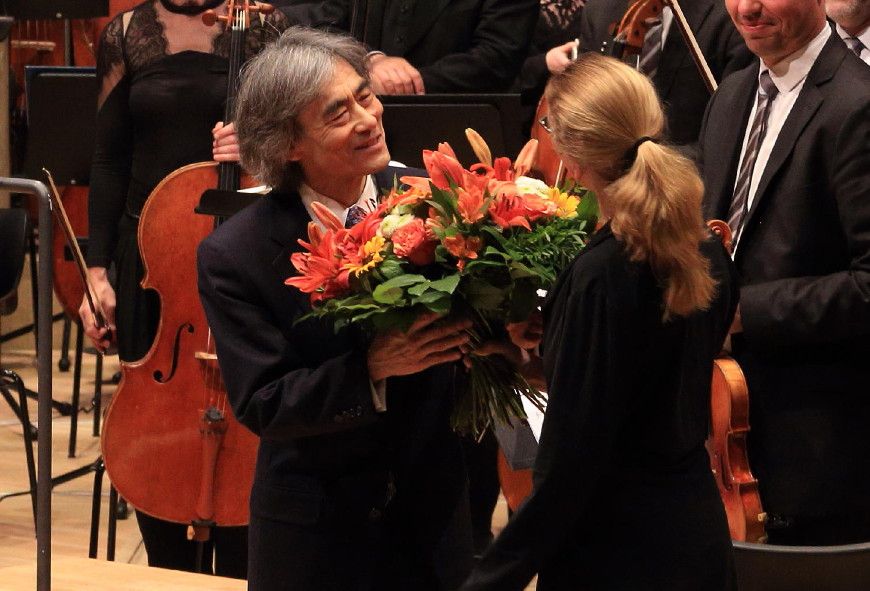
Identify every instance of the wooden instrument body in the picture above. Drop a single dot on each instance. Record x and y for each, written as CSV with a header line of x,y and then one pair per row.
x,y
548,164
729,461
154,443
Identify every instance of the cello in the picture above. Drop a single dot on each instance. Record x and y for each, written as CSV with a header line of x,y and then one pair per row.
x,y
170,444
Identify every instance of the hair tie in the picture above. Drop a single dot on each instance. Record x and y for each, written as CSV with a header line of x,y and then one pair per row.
x,y
631,154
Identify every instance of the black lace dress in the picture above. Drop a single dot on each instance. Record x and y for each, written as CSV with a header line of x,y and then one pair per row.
x,y
163,86
558,23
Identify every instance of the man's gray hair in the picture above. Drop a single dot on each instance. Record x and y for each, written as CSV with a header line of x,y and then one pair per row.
x,y
276,86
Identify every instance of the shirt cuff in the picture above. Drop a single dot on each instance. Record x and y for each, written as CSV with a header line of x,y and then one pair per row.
x,y
379,395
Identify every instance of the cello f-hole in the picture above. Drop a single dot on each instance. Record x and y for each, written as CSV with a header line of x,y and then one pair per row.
x,y
158,374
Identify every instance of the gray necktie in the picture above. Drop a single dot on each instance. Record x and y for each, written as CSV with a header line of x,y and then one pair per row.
x,y
767,91
855,45
651,50
355,215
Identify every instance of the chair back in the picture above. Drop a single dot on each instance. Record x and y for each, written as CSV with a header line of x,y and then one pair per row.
x,y
767,567
13,245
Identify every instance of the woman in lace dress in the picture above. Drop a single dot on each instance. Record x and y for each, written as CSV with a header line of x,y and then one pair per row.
x,y
552,45
163,83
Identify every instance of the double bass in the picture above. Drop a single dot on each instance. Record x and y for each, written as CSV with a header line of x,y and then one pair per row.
x,y
171,444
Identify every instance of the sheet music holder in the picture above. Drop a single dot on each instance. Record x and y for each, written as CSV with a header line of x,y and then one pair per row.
x,y
55,9
415,122
61,117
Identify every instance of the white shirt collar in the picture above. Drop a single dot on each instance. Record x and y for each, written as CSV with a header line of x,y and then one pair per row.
x,y
368,200
793,69
863,36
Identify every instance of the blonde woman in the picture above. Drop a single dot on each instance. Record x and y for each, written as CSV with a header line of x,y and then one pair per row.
x,y
623,495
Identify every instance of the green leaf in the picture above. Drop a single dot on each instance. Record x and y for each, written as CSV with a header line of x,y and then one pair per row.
x,y
445,284
392,291
482,295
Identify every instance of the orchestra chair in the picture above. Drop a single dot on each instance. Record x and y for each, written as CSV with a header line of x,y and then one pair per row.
x,y
14,233
768,567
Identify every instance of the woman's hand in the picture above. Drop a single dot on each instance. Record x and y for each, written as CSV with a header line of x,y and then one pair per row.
x,y
524,337
527,334
104,298
559,57
225,147
429,341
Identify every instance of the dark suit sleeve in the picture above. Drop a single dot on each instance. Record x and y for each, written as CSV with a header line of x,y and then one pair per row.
x,y
271,390
497,48
589,401
832,307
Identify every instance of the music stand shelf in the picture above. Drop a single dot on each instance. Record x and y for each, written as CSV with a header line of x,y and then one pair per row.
x,y
416,122
56,9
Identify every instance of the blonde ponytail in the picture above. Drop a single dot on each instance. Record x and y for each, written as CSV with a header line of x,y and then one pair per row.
x,y
600,109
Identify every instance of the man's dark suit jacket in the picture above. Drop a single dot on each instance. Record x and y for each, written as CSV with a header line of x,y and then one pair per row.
x,y
457,45
677,80
804,263
343,497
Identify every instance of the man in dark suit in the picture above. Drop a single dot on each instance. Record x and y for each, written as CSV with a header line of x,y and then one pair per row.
x,y
676,78
785,155
359,481
436,46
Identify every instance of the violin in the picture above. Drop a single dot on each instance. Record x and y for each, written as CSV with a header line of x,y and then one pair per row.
x,y
726,444
171,444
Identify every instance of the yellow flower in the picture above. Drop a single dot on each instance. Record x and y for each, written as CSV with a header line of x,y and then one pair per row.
x,y
370,256
566,205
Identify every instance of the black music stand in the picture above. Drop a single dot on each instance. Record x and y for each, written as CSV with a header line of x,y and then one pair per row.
x,y
55,9
416,122
63,144
61,118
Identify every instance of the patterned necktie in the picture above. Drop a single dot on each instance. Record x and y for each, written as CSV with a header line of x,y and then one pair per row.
x,y
651,50
767,91
855,45
355,215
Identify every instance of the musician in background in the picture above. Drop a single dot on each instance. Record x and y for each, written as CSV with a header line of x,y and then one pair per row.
x,y
785,159
623,496
422,46
360,482
852,23
665,57
554,45
163,83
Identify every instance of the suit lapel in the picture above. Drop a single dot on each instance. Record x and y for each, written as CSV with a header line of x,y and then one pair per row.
x,y
807,104
288,224
676,52
425,13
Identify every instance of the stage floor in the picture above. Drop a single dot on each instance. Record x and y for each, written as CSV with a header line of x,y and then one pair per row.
x,y
83,574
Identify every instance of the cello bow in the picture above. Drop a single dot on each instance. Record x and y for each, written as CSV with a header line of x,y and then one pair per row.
x,y
79,259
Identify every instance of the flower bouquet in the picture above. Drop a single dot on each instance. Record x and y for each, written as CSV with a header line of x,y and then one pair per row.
x,y
480,241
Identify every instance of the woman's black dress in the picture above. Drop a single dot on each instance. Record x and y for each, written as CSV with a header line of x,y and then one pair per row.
x,y
623,496
158,102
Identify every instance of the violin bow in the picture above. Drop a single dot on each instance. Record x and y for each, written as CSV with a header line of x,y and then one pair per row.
x,y
78,258
692,43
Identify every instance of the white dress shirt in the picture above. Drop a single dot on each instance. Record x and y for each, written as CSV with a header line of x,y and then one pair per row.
x,y
863,37
368,200
789,76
